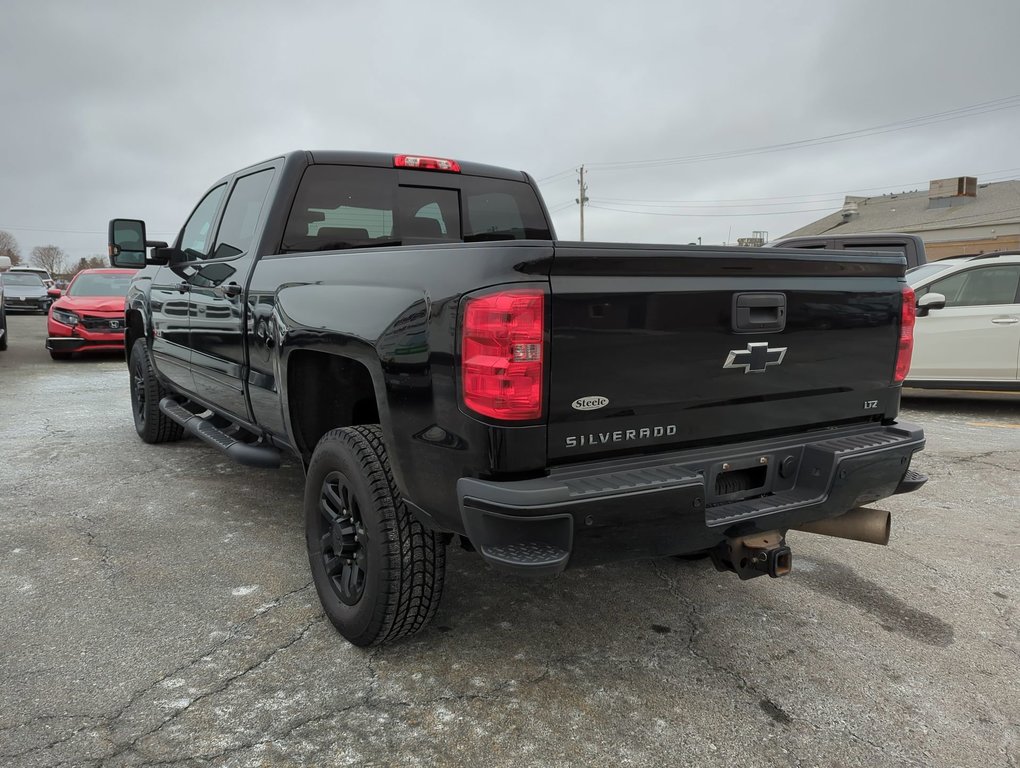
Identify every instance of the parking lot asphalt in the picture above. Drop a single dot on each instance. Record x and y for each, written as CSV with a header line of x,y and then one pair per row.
x,y
156,609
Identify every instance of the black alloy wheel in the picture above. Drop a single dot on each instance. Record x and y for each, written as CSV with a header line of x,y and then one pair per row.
x,y
152,425
343,538
377,570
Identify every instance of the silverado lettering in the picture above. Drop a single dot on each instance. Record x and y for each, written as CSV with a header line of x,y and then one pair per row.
x,y
620,436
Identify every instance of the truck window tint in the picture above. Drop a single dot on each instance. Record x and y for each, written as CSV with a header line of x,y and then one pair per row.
x,y
493,213
497,209
241,216
198,231
432,211
340,207
363,222
428,215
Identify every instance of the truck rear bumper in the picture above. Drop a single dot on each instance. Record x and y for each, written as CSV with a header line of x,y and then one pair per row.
x,y
685,501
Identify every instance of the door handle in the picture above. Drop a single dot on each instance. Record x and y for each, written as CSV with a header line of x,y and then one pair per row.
x,y
183,287
231,290
1006,320
759,312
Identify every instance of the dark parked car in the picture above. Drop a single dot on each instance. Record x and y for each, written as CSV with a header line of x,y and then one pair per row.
x,y
3,319
25,291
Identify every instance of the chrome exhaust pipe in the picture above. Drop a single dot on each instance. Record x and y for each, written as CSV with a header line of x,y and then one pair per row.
x,y
861,524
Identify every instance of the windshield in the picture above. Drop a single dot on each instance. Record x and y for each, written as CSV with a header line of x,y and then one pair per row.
x,y
22,278
923,272
100,285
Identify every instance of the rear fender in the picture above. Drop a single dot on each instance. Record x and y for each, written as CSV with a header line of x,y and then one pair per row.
x,y
383,328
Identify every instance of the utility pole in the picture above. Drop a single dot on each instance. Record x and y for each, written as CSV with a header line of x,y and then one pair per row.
x,y
583,190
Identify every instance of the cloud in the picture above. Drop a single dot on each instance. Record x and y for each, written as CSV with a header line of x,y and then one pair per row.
x,y
134,109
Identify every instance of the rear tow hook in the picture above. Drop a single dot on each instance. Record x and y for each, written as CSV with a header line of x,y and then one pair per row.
x,y
756,555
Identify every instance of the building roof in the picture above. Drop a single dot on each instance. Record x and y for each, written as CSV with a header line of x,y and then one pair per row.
x,y
997,203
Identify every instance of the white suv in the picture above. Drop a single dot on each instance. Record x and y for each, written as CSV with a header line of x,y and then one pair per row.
x,y
967,334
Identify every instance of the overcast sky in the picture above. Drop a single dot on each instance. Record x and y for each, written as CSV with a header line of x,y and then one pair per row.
x,y
134,108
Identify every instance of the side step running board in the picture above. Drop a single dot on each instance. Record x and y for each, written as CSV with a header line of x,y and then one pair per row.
x,y
264,456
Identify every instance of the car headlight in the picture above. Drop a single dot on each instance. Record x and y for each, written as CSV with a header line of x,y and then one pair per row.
x,y
67,318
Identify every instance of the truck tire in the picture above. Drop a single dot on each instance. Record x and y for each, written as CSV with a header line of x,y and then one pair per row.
x,y
378,571
152,425
54,355
3,325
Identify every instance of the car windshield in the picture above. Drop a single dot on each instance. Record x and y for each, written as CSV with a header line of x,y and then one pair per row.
x,y
100,285
923,272
22,278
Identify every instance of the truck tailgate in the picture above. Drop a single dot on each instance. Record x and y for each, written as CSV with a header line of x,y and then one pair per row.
x,y
655,347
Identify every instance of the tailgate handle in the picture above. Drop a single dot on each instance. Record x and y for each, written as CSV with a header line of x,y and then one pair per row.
x,y
759,312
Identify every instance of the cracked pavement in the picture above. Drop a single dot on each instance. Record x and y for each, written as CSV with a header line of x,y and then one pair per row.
x,y
155,609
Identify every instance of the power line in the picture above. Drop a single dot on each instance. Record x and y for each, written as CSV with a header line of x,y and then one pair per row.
x,y
982,176
555,175
996,105
784,213
699,215
695,206
562,206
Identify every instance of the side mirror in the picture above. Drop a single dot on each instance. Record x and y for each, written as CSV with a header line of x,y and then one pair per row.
x,y
930,301
56,293
127,243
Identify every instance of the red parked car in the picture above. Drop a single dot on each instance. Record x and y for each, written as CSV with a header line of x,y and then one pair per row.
x,y
89,315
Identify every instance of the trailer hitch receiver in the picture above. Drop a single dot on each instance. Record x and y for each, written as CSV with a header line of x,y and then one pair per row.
x,y
757,555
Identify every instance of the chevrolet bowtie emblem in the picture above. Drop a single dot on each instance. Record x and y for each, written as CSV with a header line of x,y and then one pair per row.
x,y
756,358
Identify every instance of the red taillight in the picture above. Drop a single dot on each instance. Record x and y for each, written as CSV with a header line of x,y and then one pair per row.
x,y
502,353
421,163
908,315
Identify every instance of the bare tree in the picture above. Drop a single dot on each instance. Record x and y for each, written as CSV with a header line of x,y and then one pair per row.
x,y
51,258
92,262
9,247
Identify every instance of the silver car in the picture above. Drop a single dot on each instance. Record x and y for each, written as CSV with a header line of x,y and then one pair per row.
x,y
25,291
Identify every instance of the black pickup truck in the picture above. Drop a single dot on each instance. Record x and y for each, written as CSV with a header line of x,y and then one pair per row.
x,y
410,330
